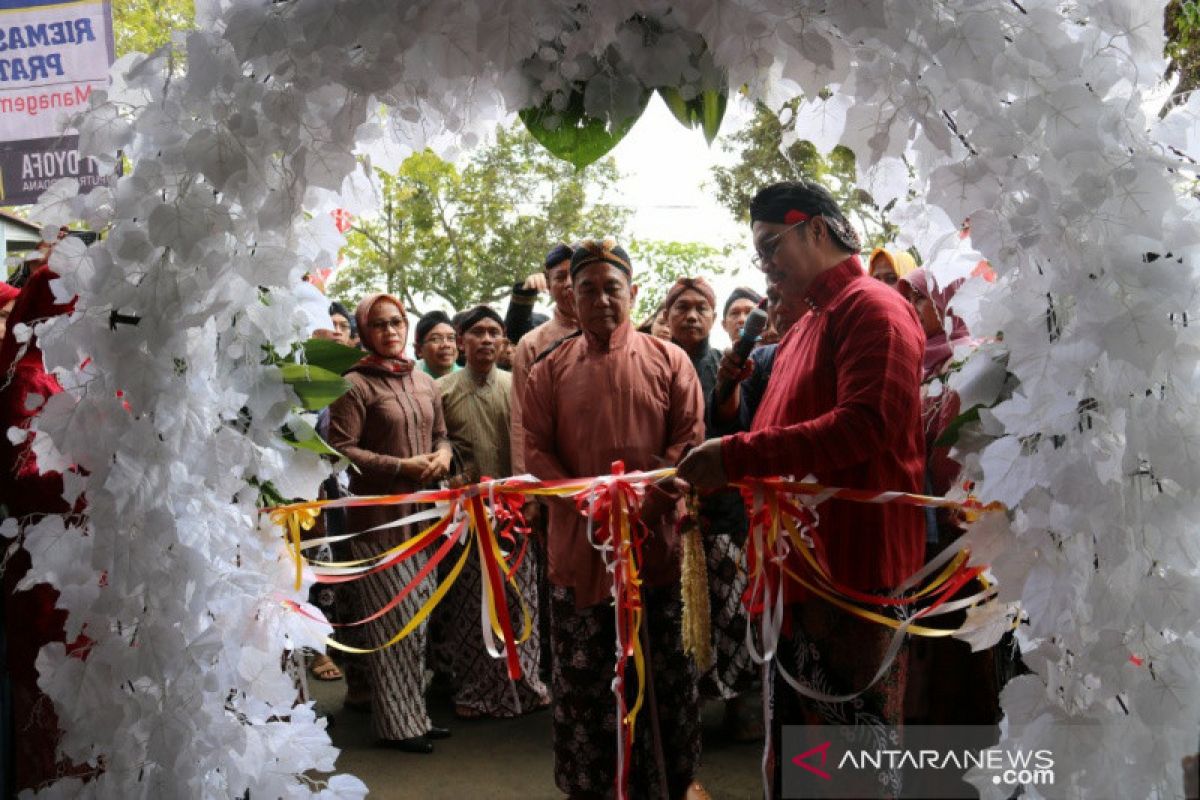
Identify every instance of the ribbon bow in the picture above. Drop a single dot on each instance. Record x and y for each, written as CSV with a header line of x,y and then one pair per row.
x,y
293,519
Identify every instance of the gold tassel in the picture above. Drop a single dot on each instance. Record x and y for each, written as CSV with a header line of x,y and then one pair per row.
x,y
697,633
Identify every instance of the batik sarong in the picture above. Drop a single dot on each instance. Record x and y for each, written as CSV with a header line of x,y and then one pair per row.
x,y
585,711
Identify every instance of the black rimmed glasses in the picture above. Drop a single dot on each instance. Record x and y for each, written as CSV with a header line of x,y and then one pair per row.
x,y
770,246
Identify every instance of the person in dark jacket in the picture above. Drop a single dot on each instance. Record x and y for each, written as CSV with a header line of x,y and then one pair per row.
x,y
519,317
690,307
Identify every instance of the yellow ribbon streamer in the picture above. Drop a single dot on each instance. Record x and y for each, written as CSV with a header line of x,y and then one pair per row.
x,y
826,591
624,545
403,547
292,519
488,539
420,616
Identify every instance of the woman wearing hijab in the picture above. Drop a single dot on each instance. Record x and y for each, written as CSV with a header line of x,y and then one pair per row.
x,y
939,405
933,309
390,425
966,690
890,267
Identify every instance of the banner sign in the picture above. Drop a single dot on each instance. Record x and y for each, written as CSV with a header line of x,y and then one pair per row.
x,y
52,55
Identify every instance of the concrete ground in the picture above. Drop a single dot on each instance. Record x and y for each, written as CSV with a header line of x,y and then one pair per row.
x,y
501,759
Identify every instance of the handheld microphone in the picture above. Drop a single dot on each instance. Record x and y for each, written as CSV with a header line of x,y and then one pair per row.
x,y
752,328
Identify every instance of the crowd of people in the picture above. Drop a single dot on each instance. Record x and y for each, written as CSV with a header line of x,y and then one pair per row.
x,y
845,382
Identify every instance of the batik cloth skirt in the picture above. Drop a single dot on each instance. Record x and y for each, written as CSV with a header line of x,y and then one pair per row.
x,y
481,682
836,654
733,672
397,672
585,711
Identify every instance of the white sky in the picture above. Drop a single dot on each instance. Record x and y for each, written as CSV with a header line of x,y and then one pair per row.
x,y
664,167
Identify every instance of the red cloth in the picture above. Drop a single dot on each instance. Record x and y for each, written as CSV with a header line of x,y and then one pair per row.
x,y
23,489
937,413
844,403
31,619
8,293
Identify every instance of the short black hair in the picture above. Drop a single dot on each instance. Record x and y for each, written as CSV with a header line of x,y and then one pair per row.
x,y
741,293
428,321
336,309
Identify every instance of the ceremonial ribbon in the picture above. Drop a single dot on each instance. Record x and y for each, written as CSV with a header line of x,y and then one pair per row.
x,y
494,612
611,504
768,562
292,519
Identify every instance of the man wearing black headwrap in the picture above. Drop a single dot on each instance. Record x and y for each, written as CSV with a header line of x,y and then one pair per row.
x,y
557,270
520,318
557,279
843,404
340,328
475,403
738,305
343,323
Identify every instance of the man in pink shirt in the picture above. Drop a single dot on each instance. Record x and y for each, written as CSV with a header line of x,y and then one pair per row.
x,y
557,268
843,404
613,394
560,325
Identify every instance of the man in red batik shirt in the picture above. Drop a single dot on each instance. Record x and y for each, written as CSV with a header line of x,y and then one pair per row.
x,y
844,405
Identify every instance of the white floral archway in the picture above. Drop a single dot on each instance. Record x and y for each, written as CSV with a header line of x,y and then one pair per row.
x,y
1035,119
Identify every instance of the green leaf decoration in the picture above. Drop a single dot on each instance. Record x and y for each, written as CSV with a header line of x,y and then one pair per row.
x,y
300,434
712,112
677,105
704,111
330,355
572,135
316,387
268,495
950,435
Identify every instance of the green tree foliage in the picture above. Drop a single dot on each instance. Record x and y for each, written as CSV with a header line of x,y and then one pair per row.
x,y
658,264
145,25
1181,24
466,235
762,161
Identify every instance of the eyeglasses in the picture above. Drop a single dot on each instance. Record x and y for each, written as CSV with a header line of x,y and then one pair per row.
x,y
440,338
770,246
383,324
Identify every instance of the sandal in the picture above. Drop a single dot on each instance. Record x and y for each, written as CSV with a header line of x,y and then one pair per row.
x,y
323,668
466,712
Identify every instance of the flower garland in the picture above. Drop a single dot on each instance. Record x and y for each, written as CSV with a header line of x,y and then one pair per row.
x,y
1038,121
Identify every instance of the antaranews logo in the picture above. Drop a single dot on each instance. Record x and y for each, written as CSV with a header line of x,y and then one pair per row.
x,y
821,750
917,761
